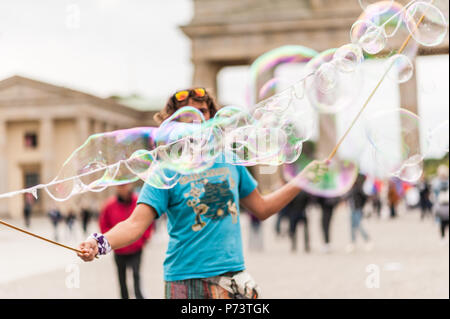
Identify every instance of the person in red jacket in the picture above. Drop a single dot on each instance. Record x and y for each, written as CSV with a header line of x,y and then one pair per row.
x,y
117,209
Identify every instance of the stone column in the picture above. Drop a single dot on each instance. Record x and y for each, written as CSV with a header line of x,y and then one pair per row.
x,y
408,101
109,127
82,129
98,127
3,168
205,75
327,135
47,145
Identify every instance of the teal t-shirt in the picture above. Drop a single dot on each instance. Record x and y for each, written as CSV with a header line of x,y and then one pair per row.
x,y
203,221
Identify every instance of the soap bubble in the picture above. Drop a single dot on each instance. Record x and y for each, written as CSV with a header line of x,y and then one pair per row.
x,y
336,182
366,4
394,137
426,23
401,68
369,36
348,57
328,89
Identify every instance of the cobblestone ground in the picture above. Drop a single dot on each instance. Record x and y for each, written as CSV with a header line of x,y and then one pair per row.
x,y
408,260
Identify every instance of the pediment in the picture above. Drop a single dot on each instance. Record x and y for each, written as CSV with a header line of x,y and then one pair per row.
x,y
19,89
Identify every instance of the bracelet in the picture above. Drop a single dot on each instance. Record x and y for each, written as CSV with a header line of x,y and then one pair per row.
x,y
103,245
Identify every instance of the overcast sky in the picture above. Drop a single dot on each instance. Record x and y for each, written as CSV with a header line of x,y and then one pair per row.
x,y
107,47
102,47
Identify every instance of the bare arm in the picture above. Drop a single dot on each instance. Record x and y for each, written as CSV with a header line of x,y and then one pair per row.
x,y
265,206
124,233
131,229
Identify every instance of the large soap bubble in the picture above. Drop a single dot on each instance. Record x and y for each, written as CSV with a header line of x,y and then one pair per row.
x,y
369,36
367,4
331,87
184,144
269,61
336,182
348,57
426,23
394,137
401,69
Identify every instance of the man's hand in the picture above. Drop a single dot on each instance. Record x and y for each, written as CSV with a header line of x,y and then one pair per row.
x,y
89,249
314,171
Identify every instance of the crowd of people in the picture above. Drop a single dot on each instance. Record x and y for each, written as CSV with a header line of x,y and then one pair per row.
x,y
370,197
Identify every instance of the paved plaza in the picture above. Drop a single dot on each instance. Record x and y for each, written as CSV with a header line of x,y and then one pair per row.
x,y
408,260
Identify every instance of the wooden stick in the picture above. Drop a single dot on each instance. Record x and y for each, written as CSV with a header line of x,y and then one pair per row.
x,y
37,236
405,43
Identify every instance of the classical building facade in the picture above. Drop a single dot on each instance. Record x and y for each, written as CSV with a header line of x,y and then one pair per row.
x,y
41,125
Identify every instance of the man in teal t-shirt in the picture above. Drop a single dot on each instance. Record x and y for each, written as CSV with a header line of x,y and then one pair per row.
x,y
203,221
204,257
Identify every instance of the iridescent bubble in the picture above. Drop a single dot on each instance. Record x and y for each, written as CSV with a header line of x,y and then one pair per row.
x,y
366,4
348,57
411,170
326,77
401,68
268,61
62,190
329,90
426,23
394,137
374,40
140,163
336,182
269,88
387,15
92,172
369,36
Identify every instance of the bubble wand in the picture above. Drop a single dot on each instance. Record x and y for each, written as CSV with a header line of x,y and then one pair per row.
x,y
40,237
403,46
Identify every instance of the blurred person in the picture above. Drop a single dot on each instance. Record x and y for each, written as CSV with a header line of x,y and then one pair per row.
x,y
296,212
441,206
70,221
440,181
393,198
283,214
376,197
376,204
357,200
441,210
117,209
86,215
86,212
327,206
205,256
256,239
372,188
55,217
29,201
424,202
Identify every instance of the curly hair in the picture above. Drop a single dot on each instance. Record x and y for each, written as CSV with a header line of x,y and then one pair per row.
x,y
173,105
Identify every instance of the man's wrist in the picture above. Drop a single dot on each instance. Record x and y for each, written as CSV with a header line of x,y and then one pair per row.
x,y
103,245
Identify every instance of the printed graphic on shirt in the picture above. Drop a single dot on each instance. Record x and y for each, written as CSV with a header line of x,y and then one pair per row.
x,y
210,196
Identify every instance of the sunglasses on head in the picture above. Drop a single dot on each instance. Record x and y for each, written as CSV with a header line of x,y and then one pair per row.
x,y
185,94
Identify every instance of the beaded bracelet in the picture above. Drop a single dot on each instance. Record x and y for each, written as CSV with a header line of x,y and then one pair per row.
x,y
103,245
